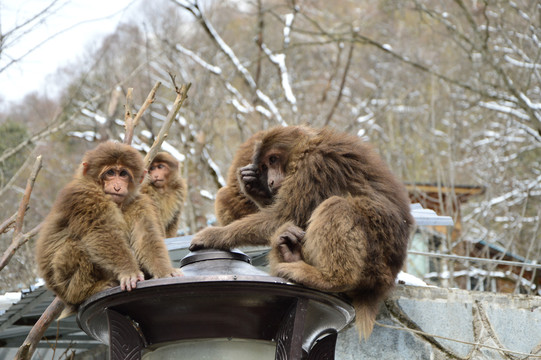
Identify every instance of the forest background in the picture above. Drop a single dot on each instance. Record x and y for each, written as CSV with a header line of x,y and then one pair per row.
x,y
448,92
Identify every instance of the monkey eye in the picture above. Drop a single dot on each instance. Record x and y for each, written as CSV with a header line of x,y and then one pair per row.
x,y
123,173
161,166
273,159
110,172
152,168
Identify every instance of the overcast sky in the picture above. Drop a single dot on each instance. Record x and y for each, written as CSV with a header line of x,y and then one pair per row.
x,y
77,23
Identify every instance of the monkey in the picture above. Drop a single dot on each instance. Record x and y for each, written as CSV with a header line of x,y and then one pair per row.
x,y
339,220
236,200
167,189
101,231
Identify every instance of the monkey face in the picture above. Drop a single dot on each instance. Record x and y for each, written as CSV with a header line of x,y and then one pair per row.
x,y
272,167
116,181
159,172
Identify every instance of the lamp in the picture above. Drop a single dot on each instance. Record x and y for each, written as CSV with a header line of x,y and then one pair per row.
x,y
222,308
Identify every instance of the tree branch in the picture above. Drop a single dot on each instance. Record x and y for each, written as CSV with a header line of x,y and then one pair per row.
x,y
149,100
26,350
182,94
131,122
27,193
342,84
18,237
4,227
128,120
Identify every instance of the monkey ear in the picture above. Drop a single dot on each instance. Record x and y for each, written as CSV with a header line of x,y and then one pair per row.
x,y
143,176
85,168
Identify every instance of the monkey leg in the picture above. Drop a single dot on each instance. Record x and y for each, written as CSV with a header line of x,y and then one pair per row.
x,y
335,250
81,287
77,278
307,275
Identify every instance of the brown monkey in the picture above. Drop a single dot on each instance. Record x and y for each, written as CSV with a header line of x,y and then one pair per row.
x,y
339,222
236,199
101,232
167,190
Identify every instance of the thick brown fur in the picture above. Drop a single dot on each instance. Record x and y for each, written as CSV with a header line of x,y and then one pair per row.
x,y
169,199
88,243
231,201
340,221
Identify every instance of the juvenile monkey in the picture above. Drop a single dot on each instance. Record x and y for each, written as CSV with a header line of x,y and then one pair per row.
x,y
338,219
101,232
168,191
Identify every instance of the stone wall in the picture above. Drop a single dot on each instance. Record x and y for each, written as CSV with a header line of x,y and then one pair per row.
x,y
500,321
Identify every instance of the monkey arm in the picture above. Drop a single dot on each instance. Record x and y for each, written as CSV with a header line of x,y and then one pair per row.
x,y
147,239
254,229
231,205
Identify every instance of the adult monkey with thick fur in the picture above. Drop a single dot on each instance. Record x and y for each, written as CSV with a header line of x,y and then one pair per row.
x,y
168,191
101,232
339,220
241,197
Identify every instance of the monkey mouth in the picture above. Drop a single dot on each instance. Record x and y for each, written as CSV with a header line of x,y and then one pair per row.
x,y
116,197
158,183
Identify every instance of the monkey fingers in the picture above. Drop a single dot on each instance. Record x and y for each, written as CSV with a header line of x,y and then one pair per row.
x,y
290,243
288,255
249,171
129,282
249,178
209,238
176,273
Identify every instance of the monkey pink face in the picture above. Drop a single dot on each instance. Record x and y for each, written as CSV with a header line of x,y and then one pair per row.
x,y
159,172
116,182
273,165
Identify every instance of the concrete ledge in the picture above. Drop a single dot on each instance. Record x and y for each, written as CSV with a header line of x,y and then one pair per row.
x,y
501,321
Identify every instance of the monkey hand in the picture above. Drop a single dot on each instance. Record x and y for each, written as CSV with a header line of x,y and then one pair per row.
x,y
165,273
209,238
176,272
129,281
289,242
251,184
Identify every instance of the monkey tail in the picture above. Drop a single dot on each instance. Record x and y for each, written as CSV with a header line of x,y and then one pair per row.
x,y
69,310
366,308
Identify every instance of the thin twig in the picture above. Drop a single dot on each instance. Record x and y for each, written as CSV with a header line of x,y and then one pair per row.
x,y
182,94
27,193
18,237
477,259
128,120
131,122
13,179
150,99
6,225
17,241
342,84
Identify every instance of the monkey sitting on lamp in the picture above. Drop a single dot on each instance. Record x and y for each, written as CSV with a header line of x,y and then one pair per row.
x,y
101,231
